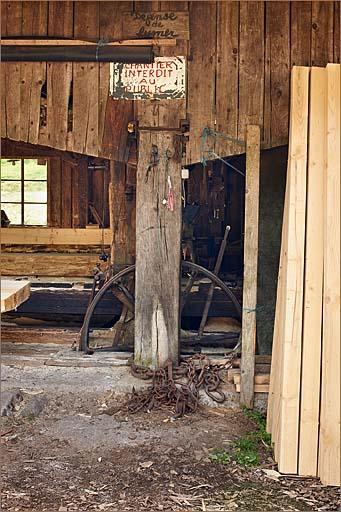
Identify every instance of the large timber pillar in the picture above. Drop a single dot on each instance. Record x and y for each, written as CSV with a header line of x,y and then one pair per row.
x,y
158,247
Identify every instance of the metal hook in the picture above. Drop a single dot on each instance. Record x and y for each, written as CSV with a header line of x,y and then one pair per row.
x,y
154,160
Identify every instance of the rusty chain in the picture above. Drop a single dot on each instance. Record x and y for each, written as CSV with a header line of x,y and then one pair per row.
x,y
178,388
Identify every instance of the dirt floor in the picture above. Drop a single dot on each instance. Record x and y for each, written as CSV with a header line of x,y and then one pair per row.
x,y
76,456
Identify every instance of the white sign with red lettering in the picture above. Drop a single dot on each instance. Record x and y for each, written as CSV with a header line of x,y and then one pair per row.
x,y
164,79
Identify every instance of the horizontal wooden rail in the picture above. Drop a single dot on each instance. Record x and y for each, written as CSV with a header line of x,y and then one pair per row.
x,y
79,42
55,236
38,264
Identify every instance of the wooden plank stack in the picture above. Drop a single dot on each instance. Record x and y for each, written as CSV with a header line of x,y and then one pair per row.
x,y
304,397
261,374
13,293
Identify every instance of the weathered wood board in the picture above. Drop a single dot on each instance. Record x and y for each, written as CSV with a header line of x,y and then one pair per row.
x,y
155,24
300,33
227,69
85,83
201,79
123,184
66,212
277,72
251,66
54,191
17,334
114,116
45,264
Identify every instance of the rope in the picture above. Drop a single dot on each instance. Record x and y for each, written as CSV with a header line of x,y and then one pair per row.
x,y
227,163
209,132
100,44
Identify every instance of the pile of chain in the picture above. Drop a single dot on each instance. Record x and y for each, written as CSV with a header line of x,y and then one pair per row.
x,y
178,388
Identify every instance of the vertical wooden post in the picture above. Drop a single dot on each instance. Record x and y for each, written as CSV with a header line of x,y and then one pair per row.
x,y
117,213
250,265
158,239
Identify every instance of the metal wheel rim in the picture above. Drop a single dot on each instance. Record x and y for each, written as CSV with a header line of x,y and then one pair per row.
x,y
185,265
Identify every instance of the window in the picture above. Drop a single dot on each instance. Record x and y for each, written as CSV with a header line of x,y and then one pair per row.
x,y
24,191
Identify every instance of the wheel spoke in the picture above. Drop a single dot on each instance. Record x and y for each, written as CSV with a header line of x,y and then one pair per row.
x,y
187,290
123,295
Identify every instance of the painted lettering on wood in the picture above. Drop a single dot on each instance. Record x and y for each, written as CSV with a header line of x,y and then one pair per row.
x,y
164,79
158,25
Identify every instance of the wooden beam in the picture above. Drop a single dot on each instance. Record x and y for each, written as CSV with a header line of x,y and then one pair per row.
x,y
19,334
313,279
329,446
291,324
55,236
79,42
12,148
158,236
260,359
261,378
258,388
13,293
38,264
250,265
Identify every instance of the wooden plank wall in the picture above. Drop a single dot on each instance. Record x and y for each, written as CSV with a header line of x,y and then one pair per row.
x,y
123,209
71,186
67,102
238,73
65,200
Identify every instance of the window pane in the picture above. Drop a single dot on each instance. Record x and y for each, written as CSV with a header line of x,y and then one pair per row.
x,y
11,191
35,214
10,169
35,191
35,169
13,212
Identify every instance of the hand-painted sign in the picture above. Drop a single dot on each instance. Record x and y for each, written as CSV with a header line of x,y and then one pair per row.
x,y
164,79
156,25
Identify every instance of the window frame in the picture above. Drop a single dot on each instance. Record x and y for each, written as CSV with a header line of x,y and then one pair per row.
x,y
22,180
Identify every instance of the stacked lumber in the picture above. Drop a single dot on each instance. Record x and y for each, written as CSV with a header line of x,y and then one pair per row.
x,y
304,397
261,376
13,293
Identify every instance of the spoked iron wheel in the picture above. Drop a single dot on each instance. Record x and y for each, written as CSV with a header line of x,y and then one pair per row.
x,y
121,285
